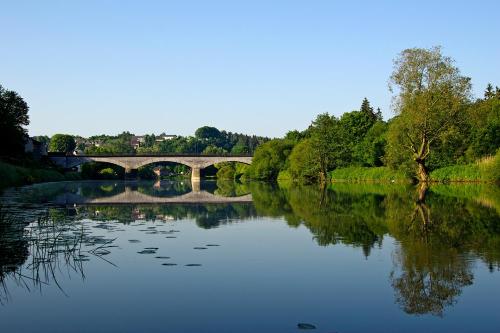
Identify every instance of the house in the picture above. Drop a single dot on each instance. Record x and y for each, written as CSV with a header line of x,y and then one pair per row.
x,y
34,147
165,137
139,140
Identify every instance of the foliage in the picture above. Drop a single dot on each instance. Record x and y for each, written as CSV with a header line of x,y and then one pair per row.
x,y
13,118
269,159
327,148
487,170
430,99
372,174
226,171
13,175
98,170
207,133
62,143
352,129
109,145
302,163
214,150
370,150
108,173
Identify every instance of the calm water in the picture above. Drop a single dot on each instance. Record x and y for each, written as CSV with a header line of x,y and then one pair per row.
x,y
144,257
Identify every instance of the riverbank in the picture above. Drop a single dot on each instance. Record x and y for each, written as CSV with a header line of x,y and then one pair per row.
x,y
486,170
14,175
368,174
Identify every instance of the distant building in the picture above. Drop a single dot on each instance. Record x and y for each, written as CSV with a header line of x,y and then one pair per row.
x,y
139,140
165,137
34,147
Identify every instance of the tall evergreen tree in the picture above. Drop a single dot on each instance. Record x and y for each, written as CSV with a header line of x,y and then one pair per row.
x,y
489,93
367,109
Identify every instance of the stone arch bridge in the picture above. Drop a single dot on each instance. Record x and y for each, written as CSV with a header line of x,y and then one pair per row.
x,y
133,162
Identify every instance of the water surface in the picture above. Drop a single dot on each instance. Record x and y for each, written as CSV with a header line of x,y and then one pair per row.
x,y
225,257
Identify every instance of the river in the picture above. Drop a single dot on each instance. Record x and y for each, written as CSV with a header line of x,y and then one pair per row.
x,y
227,257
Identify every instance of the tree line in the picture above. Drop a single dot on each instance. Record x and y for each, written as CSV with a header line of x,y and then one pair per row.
x,y
207,140
436,124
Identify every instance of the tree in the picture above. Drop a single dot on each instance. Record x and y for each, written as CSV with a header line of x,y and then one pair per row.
x,y
371,149
489,93
214,150
240,149
269,159
431,94
351,129
207,132
13,118
302,164
367,109
43,139
149,140
323,131
62,143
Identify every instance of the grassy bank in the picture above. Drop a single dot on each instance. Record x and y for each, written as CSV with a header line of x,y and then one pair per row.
x,y
13,175
362,174
485,170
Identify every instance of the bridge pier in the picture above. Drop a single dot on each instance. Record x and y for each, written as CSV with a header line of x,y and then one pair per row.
x,y
130,173
195,186
195,174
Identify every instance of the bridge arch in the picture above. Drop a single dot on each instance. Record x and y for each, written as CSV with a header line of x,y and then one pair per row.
x,y
167,159
132,162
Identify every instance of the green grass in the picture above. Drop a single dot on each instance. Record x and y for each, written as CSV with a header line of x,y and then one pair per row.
x,y
457,173
13,175
484,170
363,174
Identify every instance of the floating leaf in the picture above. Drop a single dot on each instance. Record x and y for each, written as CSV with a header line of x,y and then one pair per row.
x,y
306,326
147,252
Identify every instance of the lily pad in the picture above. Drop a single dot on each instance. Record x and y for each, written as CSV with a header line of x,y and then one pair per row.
x,y
199,248
306,326
147,252
169,264
192,265
162,257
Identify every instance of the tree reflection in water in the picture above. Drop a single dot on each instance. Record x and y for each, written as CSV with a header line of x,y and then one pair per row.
x,y
438,236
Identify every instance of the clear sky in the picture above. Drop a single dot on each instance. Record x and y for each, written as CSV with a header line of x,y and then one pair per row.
x,y
256,67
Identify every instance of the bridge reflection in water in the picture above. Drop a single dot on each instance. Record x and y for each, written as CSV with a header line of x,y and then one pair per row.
x,y
132,194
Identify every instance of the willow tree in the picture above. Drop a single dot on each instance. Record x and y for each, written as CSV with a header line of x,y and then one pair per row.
x,y
429,95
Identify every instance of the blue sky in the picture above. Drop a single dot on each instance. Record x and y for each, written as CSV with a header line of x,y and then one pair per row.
x,y
257,67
